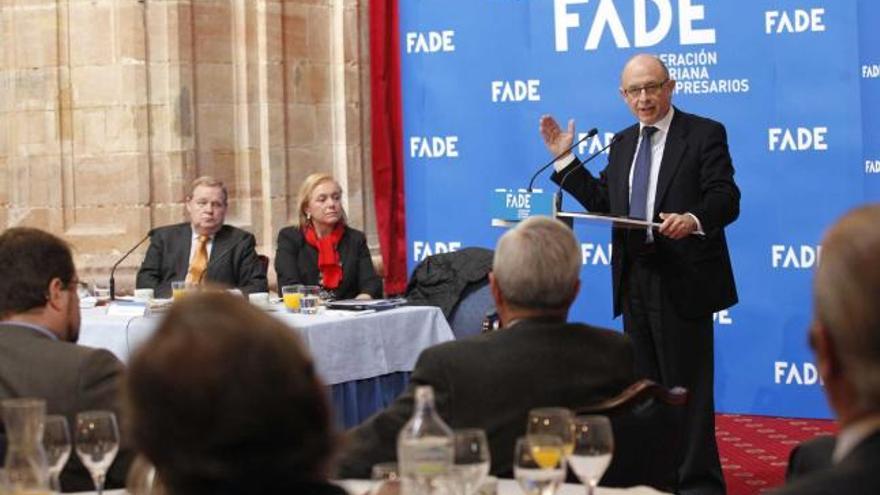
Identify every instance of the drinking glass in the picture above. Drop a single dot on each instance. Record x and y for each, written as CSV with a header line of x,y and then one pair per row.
x,y
178,289
386,477
555,421
291,296
471,462
593,446
56,442
310,299
539,464
97,442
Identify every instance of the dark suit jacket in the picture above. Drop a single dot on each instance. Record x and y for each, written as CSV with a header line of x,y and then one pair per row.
x,y
167,260
296,262
696,176
492,380
810,456
857,474
71,379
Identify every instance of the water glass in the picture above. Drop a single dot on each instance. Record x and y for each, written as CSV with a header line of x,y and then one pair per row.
x,y
539,464
555,421
471,461
97,443
56,442
310,299
386,478
593,446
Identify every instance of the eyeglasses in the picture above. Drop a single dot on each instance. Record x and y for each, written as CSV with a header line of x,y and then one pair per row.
x,y
652,89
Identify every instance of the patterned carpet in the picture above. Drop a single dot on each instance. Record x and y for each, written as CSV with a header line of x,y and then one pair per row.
x,y
754,449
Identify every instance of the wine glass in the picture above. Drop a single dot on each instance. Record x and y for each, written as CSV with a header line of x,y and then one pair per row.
x,y
56,442
555,421
539,464
97,442
471,464
593,446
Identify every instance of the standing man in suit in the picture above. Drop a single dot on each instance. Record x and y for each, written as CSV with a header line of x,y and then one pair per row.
x,y
39,327
492,380
675,168
845,336
203,249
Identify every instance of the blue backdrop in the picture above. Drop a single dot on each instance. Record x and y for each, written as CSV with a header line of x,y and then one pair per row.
x,y
796,82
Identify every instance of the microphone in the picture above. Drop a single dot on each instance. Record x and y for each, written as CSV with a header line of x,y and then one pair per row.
x,y
214,259
592,132
120,260
614,140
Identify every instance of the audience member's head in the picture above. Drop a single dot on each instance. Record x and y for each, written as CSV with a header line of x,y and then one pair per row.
x,y
224,399
846,328
536,270
206,204
320,201
38,282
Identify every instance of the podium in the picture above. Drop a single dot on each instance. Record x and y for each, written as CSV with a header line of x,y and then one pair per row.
x,y
510,207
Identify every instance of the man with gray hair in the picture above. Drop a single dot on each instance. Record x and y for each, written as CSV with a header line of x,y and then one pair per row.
x,y
845,335
536,359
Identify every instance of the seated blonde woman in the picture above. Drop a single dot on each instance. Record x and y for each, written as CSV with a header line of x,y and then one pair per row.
x,y
323,250
224,399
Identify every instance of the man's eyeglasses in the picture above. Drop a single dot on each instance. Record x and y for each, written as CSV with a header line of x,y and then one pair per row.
x,y
652,89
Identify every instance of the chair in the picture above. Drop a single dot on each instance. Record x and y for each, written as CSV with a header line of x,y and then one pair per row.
x,y
263,260
467,317
648,423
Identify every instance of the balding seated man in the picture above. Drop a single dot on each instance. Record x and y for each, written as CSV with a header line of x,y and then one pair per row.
x,y
491,381
203,249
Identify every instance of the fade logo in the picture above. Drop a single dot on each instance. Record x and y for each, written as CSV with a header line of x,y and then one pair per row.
x,y
595,254
430,41
794,21
595,144
786,373
423,249
797,139
870,71
607,17
516,91
872,166
796,257
433,146
722,317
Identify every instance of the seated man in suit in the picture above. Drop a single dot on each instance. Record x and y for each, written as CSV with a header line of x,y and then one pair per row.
x,y
203,249
845,335
491,381
39,327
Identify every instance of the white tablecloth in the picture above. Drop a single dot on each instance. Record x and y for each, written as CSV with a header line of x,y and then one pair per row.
x,y
345,347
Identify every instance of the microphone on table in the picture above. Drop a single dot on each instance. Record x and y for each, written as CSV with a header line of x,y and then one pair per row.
x,y
120,260
215,259
614,140
592,132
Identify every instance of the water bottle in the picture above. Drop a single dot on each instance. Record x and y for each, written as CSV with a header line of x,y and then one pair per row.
x,y
424,448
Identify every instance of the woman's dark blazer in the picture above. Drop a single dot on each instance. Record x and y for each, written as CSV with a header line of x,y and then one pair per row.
x,y
296,262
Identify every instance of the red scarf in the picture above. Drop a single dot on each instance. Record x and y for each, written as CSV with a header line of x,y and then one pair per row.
x,y
328,256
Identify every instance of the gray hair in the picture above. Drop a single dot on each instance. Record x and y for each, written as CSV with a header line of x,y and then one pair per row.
x,y
845,302
537,264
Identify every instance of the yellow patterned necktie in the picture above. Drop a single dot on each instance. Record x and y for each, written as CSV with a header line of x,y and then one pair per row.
x,y
199,261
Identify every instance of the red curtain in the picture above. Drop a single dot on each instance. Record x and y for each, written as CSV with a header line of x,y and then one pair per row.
x,y
387,136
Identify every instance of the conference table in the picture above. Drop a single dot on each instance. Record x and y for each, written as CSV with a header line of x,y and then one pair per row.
x,y
365,358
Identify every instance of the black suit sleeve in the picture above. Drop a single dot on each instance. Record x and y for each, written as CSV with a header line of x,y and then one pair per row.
x,y
251,274
368,281
287,256
588,190
719,204
375,440
149,275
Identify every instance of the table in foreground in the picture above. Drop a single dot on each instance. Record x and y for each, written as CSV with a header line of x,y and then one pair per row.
x,y
366,359
505,487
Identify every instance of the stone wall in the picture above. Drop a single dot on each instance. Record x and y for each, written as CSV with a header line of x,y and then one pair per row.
x,y
109,108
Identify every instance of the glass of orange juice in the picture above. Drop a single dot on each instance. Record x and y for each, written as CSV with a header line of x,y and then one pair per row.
x,y
291,295
178,289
